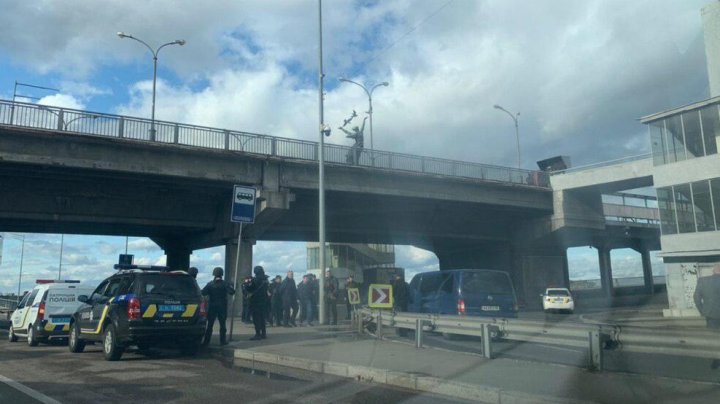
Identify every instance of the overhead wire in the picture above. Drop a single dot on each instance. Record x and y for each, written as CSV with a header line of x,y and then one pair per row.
x,y
410,31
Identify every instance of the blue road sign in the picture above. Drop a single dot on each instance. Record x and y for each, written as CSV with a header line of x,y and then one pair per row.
x,y
243,207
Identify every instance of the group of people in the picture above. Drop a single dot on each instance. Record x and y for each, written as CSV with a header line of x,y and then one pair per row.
x,y
279,302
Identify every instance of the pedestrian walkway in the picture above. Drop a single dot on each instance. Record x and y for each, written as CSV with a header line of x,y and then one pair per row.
x,y
339,351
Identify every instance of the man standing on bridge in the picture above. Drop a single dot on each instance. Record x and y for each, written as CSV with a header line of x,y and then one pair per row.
x,y
707,301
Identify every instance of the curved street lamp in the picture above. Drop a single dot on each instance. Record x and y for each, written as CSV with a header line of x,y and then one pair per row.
x,y
62,124
155,52
370,109
517,135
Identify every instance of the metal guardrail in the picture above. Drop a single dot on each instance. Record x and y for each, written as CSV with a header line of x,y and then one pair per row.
x,y
603,164
138,129
595,338
8,304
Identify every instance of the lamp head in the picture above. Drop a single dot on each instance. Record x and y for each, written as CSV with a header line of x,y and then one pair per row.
x,y
343,79
385,83
123,35
497,106
180,42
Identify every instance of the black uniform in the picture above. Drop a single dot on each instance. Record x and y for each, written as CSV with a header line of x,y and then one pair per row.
x,y
276,304
289,300
401,294
332,288
217,291
258,299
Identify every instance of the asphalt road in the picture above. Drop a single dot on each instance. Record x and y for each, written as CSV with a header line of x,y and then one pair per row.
x,y
163,376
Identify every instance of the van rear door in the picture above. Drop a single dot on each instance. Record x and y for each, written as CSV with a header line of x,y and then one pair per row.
x,y
487,293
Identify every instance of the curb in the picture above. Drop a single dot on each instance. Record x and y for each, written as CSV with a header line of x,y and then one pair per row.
x,y
466,391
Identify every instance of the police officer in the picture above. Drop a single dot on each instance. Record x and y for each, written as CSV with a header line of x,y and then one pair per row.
x,y
193,271
257,288
217,291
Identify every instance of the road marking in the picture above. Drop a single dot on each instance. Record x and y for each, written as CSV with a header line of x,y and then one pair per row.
x,y
27,390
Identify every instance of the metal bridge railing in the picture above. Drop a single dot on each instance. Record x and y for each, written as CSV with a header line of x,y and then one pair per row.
x,y
603,163
138,129
595,338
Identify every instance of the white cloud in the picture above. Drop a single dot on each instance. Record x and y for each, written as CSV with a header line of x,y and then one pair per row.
x,y
62,100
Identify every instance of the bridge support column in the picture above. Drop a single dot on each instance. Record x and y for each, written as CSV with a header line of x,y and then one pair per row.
x,y
177,253
647,271
606,278
244,269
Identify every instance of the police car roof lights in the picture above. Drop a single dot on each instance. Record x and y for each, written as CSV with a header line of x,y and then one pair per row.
x,y
43,281
142,267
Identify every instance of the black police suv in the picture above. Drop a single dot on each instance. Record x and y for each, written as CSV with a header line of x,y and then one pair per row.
x,y
144,306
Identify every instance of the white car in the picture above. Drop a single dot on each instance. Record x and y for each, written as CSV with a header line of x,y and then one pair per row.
x,y
45,311
558,299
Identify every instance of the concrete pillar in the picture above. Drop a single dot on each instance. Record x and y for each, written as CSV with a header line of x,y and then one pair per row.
x,y
711,28
647,271
606,278
178,257
244,269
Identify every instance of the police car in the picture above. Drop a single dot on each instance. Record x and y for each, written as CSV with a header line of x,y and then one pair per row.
x,y
558,299
44,313
144,306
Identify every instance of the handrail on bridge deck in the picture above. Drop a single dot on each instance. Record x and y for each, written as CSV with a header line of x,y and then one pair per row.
x,y
125,127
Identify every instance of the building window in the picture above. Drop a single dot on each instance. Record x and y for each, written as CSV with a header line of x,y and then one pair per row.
x,y
674,139
684,208
710,127
693,135
657,141
704,218
666,205
715,195
684,136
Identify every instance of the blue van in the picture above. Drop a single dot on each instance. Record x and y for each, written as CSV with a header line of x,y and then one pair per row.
x,y
472,292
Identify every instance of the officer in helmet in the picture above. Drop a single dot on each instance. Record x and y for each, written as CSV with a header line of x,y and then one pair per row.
x,y
193,271
217,292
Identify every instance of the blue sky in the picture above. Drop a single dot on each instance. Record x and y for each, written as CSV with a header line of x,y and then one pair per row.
x,y
580,74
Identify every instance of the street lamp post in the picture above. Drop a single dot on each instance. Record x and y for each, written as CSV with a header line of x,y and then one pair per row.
x,y
324,131
370,109
62,242
517,134
155,52
22,256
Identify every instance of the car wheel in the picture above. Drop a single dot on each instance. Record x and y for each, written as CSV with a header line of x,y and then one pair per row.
x,y
31,337
11,335
75,343
111,348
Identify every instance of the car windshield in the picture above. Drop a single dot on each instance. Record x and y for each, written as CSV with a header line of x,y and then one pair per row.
x,y
530,189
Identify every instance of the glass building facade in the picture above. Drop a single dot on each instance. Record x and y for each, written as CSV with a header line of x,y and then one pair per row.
x,y
685,135
690,208
352,256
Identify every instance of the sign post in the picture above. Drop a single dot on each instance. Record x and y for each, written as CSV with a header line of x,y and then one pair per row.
x,y
353,299
243,211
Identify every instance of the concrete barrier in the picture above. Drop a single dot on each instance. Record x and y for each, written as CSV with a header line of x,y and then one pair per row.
x,y
405,380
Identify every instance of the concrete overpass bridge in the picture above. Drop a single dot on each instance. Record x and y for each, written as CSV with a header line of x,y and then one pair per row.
x,y
79,172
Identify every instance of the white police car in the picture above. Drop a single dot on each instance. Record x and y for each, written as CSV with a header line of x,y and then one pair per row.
x,y
45,311
559,299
